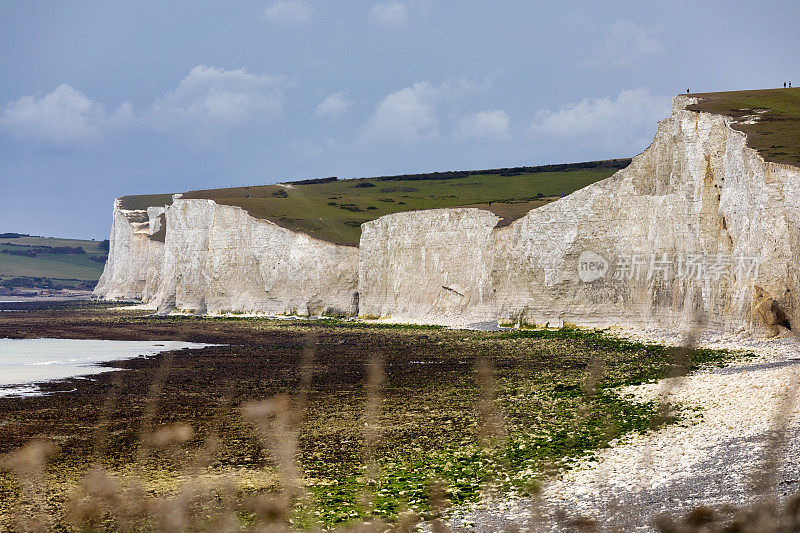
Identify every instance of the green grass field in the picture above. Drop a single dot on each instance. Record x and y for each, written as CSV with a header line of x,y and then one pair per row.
x,y
334,210
776,133
67,270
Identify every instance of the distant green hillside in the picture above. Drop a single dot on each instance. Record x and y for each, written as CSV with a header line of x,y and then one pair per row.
x,y
332,209
775,113
49,262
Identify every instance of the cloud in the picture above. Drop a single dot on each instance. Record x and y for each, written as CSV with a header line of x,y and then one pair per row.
x,y
626,123
211,100
625,44
485,125
388,14
65,117
410,115
288,12
333,106
405,116
205,105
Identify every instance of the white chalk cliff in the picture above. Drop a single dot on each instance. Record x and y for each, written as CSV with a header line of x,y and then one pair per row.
x,y
218,259
669,240
134,259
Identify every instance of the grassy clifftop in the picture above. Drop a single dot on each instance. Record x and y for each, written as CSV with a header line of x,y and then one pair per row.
x,y
770,118
333,209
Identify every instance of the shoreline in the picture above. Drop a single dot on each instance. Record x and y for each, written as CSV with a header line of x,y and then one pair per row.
x,y
67,296
206,387
30,363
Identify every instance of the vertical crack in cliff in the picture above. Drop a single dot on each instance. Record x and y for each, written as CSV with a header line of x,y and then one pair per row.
x,y
710,210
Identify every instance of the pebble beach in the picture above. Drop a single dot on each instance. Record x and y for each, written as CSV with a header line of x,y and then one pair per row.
x,y
738,441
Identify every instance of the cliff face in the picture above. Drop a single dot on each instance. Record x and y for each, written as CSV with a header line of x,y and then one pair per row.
x,y
155,252
220,259
697,228
428,266
698,200
133,258
217,259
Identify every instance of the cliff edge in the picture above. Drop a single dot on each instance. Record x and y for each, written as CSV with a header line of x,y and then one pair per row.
x,y
698,229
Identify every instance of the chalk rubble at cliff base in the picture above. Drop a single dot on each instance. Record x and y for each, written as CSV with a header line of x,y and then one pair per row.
x,y
697,191
716,457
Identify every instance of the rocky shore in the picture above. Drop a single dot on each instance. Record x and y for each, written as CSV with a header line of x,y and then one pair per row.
x,y
739,442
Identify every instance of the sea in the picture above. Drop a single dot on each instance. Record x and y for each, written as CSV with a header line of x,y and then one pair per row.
x,y
24,362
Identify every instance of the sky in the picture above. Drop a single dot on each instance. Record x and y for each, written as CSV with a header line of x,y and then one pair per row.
x,y
100,99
